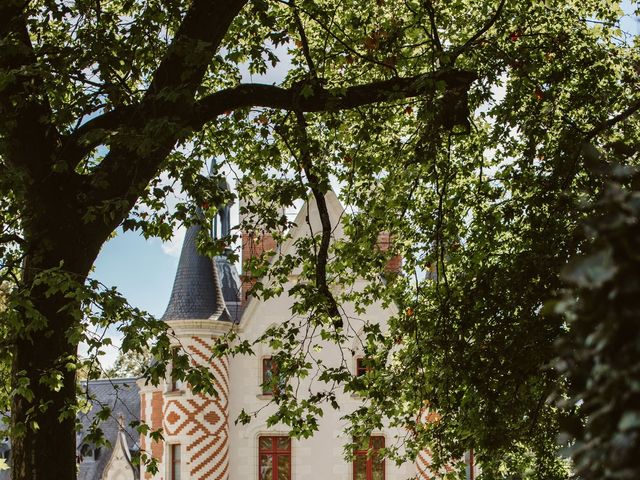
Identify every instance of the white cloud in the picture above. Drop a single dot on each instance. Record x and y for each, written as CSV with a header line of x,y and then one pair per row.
x,y
108,359
173,246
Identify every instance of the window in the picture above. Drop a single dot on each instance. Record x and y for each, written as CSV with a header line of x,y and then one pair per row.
x,y
174,463
274,458
471,467
174,384
89,453
368,466
362,366
269,370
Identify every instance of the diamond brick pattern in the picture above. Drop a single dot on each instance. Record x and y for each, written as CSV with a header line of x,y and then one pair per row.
x,y
200,422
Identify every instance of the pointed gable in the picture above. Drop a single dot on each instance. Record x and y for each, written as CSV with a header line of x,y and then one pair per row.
x,y
119,466
308,222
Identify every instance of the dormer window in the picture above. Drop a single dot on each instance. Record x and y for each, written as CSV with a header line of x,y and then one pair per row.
x,y
89,453
362,366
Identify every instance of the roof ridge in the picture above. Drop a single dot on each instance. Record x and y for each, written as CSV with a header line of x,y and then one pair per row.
x,y
111,380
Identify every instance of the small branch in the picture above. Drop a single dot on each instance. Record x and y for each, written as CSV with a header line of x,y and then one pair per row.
x,y
11,237
305,42
612,121
434,27
77,144
458,51
322,257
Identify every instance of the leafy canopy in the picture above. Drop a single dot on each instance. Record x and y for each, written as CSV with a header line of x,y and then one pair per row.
x,y
465,130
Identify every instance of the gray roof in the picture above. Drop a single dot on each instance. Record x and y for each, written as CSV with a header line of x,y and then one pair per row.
x,y
202,289
5,446
230,286
122,396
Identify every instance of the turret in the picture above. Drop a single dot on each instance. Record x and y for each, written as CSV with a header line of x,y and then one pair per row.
x,y
203,305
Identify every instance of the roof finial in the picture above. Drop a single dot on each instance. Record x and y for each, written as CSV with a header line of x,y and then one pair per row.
x,y
224,211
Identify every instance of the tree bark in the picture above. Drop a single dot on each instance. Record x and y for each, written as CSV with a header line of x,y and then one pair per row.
x,y
43,378
44,444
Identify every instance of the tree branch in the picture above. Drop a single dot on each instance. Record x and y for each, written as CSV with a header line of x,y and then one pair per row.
x,y
303,39
25,113
494,18
126,170
434,27
11,238
322,257
261,95
320,99
95,131
613,121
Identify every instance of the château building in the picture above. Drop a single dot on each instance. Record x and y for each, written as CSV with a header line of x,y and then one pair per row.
x,y
201,441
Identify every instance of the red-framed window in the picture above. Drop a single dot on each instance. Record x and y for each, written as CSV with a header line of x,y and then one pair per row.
x,y
471,465
274,457
174,463
269,370
362,366
367,464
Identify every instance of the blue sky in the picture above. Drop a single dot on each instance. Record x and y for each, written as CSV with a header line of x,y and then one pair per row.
x,y
143,270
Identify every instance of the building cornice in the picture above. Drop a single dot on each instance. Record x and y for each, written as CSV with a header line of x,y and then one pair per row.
x,y
207,327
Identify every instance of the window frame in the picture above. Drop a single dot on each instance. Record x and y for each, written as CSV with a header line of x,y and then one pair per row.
x,y
360,369
369,458
89,453
273,369
173,447
274,452
173,381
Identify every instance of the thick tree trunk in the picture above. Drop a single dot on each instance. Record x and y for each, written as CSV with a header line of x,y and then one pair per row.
x,y
45,447
43,377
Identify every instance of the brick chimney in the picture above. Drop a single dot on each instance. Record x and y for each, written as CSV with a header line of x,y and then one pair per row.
x,y
254,244
255,241
394,264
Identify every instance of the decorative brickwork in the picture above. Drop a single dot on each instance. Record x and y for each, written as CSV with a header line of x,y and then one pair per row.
x,y
423,460
253,246
153,418
200,422
157,401
422,466
395,263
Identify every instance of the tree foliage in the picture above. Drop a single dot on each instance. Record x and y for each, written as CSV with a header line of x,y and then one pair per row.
x,y
599,352
465,130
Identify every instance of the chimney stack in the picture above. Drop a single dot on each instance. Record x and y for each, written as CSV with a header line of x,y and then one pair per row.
x,y
394,264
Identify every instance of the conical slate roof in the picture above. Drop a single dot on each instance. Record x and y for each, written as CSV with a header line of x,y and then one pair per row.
x,y
197,291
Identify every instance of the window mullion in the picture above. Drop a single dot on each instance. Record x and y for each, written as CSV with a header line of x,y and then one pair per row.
x,y
276,474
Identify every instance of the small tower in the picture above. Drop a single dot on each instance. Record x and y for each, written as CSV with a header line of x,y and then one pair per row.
x,y
119,466
203,306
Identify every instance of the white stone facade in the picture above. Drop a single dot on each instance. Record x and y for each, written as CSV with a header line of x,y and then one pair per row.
x,y
212,445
